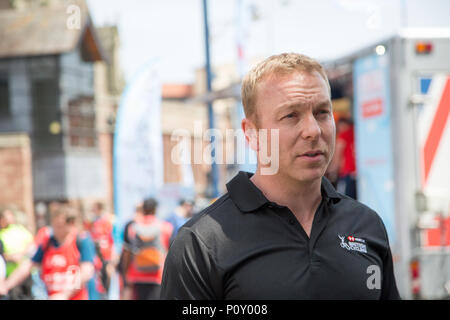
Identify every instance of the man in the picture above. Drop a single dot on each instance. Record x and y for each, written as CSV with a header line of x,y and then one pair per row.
x,y
146,241
42,237
101,233
181,215
284,232
126,290
65,259
345,158
17,242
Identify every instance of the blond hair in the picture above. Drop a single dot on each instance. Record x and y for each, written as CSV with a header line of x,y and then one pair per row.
x,y
276,65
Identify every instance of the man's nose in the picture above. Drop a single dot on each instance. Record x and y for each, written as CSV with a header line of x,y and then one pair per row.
x,y
310,129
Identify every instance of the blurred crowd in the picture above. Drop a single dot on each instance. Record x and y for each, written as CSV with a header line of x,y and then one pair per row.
x,y
75,258
342,170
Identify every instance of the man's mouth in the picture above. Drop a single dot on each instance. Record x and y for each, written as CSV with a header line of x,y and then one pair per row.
x,y
312,154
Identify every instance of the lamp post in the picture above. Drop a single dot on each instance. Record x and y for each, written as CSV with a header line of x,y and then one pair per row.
x,y
214,172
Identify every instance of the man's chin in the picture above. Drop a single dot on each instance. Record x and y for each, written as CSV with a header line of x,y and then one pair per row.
x,y
307,176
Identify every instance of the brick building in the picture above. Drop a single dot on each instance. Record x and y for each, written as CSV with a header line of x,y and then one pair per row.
x,y
15,175
47,93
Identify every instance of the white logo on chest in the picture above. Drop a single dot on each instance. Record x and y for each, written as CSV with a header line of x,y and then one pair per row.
x,y
352,243
58,261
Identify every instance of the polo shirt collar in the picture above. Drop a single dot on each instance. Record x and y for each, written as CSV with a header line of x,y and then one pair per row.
x,y
247,197
329,192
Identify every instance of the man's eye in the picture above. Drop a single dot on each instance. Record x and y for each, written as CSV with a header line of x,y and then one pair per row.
x,y
322,112
289,116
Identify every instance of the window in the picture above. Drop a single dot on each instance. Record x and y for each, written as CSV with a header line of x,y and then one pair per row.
x,y
82,126
5,110
45,98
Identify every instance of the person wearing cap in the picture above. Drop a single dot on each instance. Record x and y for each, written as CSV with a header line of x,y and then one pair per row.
x,y
283,232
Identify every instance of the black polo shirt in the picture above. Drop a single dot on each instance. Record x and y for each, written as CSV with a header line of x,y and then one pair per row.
x,y
245,247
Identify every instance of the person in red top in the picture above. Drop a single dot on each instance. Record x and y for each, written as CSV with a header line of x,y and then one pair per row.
x,y
65,258
45,232
146,242
42,235
344,159
101,233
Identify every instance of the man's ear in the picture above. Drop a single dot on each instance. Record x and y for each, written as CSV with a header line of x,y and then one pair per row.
x,y
251,133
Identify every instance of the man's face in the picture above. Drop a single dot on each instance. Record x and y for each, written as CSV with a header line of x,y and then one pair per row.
x,y
7,219
97,210
59,223
188,207
299,106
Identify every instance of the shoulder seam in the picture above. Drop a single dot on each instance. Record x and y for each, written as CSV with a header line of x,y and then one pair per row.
x,y
206,246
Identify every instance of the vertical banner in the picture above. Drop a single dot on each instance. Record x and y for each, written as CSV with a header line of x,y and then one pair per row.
x,y
374,154
138,148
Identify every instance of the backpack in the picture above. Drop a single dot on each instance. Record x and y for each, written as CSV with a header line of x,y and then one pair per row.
x,y
148,252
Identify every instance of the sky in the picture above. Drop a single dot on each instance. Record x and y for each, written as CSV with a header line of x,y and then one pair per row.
x,y
172,31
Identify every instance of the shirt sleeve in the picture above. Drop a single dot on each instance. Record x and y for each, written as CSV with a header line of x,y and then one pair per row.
x,y
190,271
86,248
389,286
38,255
389,289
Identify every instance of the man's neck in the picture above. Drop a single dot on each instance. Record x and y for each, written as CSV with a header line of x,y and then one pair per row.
x,y
302,198
61,237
